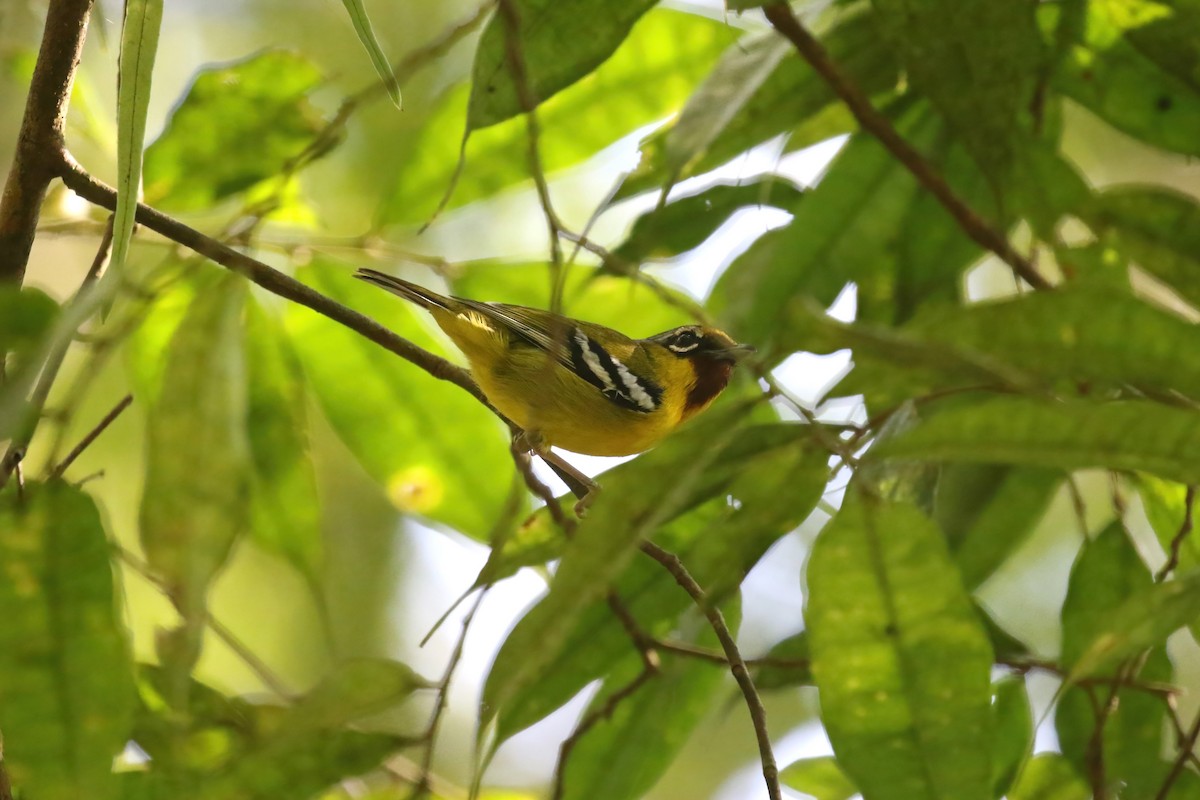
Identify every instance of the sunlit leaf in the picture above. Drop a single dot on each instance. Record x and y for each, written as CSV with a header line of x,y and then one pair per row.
x,y
1166,506
1012,741
883,596
1075,434
432,447
66,677
196,500
647,79
1048,776
238,124
820,778
284,509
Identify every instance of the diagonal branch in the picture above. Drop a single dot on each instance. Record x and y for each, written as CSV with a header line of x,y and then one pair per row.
x,y
875,123
41,135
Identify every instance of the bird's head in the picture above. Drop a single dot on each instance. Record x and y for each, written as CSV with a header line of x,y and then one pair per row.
x,y
712,354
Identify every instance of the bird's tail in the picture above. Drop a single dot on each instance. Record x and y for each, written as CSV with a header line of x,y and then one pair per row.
x,y
409,291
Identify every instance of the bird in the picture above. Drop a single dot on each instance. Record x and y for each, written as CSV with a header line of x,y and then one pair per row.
x,y
577,385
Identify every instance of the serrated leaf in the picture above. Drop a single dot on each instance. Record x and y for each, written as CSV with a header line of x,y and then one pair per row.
x,y
366,37
883,596
196,499
648,79
284,510
987,511
595,29
431,447
1012,742
1073,434
792,100
238,124
139,45
66,676
1048,776
820,778
718,542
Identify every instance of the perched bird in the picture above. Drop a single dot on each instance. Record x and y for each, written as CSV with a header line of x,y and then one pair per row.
x,y
577,385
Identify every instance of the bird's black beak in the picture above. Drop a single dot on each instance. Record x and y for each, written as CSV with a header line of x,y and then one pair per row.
x,y
736,353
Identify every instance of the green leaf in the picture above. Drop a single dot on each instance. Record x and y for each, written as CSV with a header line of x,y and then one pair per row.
x,y
987,511
1155,228
1072,434
238,124
624,755
432,447
686,223
26,315
648,79
1107,572
857,225
285,514
1143,621
1012,742
1166,509
353,689
1048,776
595,30
780,676
977,62
792,100
366,36
66,678
718,541
1125,85
899,655
139,45
196,499
820,778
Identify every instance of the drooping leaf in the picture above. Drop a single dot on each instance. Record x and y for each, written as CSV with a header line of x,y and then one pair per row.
x,y
648,78
594,29
718,542
820,778
987,511
1074,434
237,125
66,676
1012,742
139,45
884,596
370,43
284,509
432,447
687,223
793,100
977,61
196,499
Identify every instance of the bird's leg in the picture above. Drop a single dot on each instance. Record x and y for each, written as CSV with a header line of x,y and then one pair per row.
x,y
532,440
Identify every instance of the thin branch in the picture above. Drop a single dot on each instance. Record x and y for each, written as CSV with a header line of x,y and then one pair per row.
x,y
758,715
41,135
878,125
1186,748
91,436
1185,528
82,183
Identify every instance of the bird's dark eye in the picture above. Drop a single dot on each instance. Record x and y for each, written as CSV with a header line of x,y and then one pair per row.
x,y
684,342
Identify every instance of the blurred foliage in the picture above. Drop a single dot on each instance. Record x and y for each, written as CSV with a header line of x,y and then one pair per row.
x,y
282,456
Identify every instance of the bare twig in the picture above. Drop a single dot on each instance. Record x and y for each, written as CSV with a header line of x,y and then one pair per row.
x,y
91,436
1185,528
41,135
410,772
1186,748
878,125
737,666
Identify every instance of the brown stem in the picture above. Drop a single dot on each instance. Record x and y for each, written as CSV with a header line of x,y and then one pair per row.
x,y
41,135
1185,752
91,436
1185,528
758,714
875,123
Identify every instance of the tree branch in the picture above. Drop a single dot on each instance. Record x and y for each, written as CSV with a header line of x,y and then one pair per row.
x,y
1185,528
758,714
41,135
875,123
